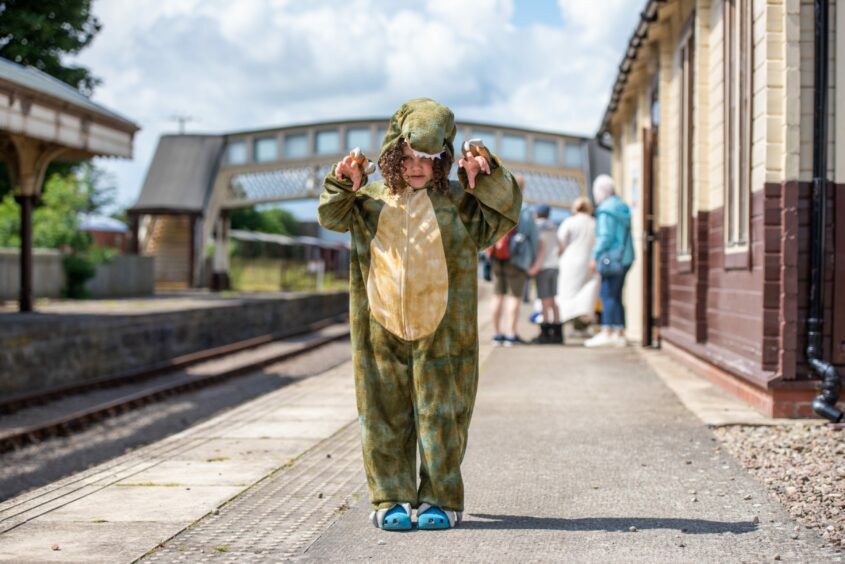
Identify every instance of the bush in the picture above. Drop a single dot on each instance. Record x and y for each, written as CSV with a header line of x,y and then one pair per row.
x,y
78,270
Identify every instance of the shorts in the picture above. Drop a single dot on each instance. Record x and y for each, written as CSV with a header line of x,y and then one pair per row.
x,y
546,283
508,279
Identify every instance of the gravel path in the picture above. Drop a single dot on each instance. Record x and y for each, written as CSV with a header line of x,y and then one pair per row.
x,y
802,465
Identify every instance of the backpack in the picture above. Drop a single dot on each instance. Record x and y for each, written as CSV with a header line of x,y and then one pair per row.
x,y
501,249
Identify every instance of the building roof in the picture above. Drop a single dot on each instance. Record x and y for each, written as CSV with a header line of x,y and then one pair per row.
x,y
181,174
90,222
40,82
287,240
647,17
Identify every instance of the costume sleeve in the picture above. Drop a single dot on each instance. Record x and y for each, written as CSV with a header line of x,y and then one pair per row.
x,y
337,201
604,233
491,209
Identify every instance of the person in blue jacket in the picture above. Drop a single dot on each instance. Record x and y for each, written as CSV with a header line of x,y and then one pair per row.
x,y
613,231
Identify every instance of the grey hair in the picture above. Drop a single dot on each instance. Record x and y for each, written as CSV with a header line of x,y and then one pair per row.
x,y
603,188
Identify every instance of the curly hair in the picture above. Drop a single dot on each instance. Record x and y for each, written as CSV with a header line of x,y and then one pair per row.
x,y
390,164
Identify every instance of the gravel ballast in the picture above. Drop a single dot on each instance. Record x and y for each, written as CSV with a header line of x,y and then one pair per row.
x,y
802,465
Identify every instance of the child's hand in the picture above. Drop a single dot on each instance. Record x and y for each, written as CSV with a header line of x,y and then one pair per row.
x,y
473,165
350,169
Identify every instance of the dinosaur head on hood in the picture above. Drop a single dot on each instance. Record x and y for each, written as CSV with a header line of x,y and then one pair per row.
x,y
427,127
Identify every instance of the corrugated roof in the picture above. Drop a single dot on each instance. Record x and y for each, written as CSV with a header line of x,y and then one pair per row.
x,y
181,175
91,222
286,240
33,79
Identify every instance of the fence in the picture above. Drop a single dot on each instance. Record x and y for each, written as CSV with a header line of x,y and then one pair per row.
x,y
48,275
263,274
126,275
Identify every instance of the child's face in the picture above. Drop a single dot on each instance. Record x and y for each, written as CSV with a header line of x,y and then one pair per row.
x,y
416,171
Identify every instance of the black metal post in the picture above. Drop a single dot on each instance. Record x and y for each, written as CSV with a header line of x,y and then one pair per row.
x,y
25,300
825,402
134,228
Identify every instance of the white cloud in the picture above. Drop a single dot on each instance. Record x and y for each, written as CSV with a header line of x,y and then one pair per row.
x,y
265,63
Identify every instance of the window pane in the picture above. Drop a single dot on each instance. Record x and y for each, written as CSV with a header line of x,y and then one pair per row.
x,y
236,153
296,146
358,137
264,150
514,148
573,155
328,142
487,137
545,152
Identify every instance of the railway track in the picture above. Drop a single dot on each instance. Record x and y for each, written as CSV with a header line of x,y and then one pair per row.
x,y
185,373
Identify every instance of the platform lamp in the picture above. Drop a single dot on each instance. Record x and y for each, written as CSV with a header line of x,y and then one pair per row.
x,y
27,160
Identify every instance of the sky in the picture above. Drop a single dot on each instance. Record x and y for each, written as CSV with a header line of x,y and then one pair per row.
x,y
229,66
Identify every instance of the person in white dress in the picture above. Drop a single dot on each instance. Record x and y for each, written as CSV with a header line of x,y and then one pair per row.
x,y
577,283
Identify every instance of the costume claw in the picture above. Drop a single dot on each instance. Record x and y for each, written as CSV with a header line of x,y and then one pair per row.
x,y
475,147
366,165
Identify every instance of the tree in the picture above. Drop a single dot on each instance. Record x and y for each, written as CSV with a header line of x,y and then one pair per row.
x,y
275,220
55,225
41,32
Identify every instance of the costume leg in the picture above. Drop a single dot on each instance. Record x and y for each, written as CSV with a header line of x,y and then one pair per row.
x,y
445,380
386,416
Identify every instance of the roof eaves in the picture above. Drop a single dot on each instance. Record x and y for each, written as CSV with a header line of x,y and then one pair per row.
x,y
647,17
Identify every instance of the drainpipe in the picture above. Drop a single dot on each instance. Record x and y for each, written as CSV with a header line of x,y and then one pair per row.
x,y
825,402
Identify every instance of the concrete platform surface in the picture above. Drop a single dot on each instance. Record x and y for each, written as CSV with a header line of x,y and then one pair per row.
x,y
580,455
575,455
122,509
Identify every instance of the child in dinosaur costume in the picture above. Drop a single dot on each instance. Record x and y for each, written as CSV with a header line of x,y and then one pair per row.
x,y
413,305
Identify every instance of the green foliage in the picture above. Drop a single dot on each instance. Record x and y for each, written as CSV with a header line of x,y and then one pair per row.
x,y
62,168
275,220
55,223
10,222
41,33
78,270
102,255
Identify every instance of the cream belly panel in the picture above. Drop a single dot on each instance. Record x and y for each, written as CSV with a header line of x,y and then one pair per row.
x,y
408,284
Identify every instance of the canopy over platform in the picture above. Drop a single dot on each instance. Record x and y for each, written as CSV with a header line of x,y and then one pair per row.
x,y
41,120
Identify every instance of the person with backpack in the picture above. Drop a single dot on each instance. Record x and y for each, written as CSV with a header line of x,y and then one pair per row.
x,y
545,273
613,255
510,258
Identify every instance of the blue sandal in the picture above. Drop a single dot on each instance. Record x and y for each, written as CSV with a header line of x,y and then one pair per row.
x,y
431,518
396,518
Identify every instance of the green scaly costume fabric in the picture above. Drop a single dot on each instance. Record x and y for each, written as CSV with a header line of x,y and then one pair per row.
x,y
420,393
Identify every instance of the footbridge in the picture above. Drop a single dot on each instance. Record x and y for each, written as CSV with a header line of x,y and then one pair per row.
x,y
194,180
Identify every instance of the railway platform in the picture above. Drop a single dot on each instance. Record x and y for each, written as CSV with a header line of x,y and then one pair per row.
x,y
69,342
575,455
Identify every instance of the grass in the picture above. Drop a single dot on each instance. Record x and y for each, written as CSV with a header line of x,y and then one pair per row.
x,y
273,275
222,548
218,459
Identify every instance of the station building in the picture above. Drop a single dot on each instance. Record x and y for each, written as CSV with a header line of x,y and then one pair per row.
x,y
718,133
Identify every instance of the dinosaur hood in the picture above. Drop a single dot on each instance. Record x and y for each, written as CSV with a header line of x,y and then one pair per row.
x,y
427,127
